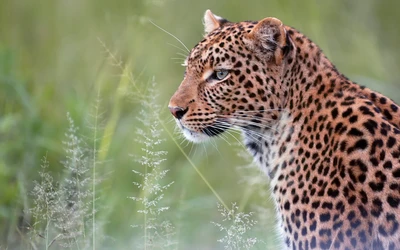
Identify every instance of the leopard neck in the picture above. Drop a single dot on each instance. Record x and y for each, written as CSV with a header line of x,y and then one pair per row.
x,y
306,69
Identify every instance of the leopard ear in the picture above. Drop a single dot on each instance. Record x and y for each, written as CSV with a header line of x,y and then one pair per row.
x,y
268,38
212,22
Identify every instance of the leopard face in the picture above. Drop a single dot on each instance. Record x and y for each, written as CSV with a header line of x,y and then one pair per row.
x,y
226,84
330,146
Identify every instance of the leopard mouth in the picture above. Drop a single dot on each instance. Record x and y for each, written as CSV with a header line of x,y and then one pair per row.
x,y
209,131
219,126
213,131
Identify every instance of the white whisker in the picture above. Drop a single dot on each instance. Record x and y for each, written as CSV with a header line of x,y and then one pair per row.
x,y
177,47
205,150
260,111
261,119
183,55
191,148
243,123
170,35
254,135
177,58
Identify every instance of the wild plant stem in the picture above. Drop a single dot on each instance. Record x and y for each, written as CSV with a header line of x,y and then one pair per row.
x,y
54,240
47,230
145,209
94,175
47,215
79,196
145,231
194,166
77,245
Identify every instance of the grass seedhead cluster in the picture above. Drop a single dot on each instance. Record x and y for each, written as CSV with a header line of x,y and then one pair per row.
x,y
63,213
45,195
236,226
157,232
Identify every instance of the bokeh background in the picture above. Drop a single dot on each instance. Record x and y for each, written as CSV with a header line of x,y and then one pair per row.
x,y
59,57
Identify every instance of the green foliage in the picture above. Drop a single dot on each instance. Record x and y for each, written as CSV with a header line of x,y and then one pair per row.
x,y
61,56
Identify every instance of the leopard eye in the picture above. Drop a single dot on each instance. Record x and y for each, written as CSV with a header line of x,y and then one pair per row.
x,y
221,74
218,75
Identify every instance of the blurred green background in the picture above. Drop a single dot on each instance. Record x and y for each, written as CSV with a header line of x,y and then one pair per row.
x,y
54,60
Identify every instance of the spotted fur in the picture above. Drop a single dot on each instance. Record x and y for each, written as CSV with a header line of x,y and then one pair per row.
x,y
330,147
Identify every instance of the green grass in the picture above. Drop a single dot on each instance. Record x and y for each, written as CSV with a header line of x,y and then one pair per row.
x,y
59,57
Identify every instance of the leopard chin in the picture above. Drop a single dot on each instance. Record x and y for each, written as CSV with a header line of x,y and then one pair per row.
x,y
205,134
193,136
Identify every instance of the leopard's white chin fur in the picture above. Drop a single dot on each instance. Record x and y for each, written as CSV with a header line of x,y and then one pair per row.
x,y
193,136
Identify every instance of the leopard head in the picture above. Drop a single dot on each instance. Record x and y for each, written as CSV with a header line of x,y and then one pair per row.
x,y
233,78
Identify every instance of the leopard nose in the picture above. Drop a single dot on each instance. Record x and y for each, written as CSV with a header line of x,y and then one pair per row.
x,y
178,112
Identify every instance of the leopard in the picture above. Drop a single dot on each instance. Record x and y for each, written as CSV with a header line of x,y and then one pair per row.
x,y
329,146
